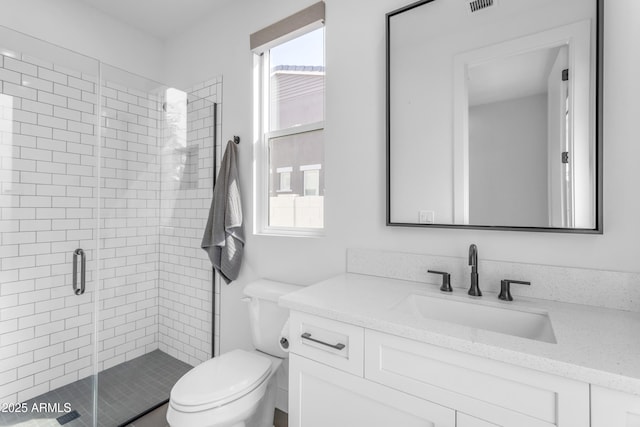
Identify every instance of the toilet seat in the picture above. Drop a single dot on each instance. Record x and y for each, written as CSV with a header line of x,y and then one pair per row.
x,y
220,380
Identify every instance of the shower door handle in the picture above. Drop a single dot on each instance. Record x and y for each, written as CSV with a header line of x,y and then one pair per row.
x,y
83,265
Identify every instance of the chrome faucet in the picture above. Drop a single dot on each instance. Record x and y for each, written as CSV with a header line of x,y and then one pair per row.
x,y
474,290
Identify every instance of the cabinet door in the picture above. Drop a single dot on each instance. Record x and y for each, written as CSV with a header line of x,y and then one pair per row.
x,y
498,392
464,420
320,396
614,408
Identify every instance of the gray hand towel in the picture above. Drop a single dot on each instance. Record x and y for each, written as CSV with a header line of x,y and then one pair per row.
x,y
223,238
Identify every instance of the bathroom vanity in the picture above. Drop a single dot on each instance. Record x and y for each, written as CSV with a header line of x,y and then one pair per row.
x,y
373,351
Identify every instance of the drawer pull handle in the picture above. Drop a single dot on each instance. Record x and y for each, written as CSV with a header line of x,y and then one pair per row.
x,y
307,336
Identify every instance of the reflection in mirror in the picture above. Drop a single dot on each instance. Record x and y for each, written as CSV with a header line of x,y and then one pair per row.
x,y
493,124
518,115
507,133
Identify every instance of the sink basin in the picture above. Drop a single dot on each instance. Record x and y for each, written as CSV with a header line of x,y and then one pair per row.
x,y
530,324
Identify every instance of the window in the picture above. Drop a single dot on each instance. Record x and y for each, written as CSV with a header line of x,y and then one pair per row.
x,y
285,178
289,95
285,181
311,178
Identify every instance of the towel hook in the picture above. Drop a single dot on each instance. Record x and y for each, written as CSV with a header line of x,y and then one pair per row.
x,y
236,139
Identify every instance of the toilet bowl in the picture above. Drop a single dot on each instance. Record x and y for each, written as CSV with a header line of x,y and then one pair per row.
x,y
237,388
222,392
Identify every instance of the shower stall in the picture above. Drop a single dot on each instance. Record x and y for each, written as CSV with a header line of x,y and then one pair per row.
x,y
105,184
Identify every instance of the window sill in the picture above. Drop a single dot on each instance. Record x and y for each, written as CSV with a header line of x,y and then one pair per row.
x,y
292,232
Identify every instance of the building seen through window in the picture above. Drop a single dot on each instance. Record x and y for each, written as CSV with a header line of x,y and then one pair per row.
x,y
295,136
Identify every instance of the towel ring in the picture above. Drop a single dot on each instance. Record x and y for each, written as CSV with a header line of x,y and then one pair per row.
x,y
236,139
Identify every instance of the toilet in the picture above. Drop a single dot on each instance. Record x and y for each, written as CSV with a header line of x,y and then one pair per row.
x,y
237,388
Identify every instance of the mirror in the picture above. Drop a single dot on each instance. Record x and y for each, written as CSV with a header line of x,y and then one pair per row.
x,y
494,115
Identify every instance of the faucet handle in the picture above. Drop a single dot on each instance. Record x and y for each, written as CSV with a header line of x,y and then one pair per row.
x,y
446,280
505,288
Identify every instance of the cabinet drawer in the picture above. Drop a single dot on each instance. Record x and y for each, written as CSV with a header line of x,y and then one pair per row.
x,y
327,341
494,391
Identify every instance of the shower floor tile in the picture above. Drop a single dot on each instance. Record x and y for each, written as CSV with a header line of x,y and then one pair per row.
x,y
124,391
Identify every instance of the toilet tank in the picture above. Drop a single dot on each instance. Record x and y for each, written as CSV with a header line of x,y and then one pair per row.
x,y
266,317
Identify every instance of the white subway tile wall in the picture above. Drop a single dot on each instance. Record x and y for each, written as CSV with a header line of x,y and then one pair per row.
x,y
155,281
47,207
185,270
128,227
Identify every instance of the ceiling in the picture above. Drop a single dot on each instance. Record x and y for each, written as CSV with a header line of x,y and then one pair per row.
x,y
160,18
511,77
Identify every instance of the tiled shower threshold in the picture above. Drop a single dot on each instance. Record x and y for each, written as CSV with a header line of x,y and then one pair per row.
x,y
124,391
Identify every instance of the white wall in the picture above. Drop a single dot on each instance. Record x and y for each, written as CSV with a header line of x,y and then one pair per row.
x,y
355,57
508,162
220,45
77,26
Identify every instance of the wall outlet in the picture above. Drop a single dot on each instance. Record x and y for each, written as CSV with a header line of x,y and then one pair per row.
x,y
426,217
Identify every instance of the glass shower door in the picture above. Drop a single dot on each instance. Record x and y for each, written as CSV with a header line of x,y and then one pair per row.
x,y
48,149
154,313
105,183
132,372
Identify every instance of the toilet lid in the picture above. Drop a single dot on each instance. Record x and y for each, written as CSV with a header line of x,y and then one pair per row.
x,y
220,380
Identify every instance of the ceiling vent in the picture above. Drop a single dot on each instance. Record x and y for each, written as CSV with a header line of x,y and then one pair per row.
x,y
478,5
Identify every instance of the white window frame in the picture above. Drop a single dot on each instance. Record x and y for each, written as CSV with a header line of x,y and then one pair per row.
x,y
262,137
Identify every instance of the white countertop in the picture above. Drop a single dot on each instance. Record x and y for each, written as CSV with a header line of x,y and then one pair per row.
x,y
595,345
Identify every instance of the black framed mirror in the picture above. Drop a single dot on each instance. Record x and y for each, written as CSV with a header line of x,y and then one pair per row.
x,y
494,115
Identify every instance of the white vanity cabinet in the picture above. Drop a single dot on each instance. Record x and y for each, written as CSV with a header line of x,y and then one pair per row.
x,y
358,377
614,408
495,392
321,396
327,388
